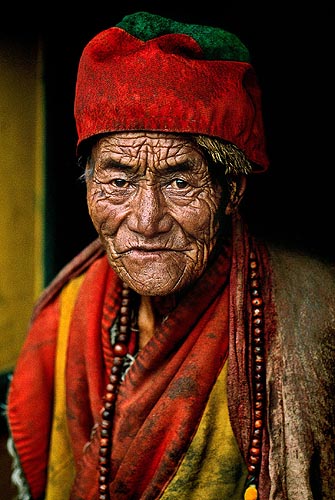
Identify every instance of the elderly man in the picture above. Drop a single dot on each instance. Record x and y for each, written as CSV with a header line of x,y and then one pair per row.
x,y
176,357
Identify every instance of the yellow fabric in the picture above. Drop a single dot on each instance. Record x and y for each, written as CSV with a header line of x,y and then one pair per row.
x,y
61,464
213,467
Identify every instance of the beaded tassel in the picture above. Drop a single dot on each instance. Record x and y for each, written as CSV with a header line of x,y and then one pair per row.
x,y
251,493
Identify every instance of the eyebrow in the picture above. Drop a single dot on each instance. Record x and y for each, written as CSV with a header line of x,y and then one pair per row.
x,y
185,166
109,163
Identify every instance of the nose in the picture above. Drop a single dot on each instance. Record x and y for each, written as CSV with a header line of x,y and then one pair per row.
x,y
149,213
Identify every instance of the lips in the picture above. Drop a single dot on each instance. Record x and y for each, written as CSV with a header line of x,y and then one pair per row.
x,y
148,253
144,249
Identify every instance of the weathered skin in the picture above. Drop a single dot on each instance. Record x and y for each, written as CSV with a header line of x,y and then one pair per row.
x,y
155,208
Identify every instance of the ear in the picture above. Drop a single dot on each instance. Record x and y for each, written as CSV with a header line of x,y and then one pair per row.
x,y
237,188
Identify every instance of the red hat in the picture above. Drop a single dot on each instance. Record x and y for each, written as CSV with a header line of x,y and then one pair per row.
x,y
152,73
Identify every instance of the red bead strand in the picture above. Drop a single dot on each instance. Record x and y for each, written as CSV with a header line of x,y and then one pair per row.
x,y
120,350
258,369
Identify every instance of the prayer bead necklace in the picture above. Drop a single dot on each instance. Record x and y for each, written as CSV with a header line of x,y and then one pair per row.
x,y
120,351
258,370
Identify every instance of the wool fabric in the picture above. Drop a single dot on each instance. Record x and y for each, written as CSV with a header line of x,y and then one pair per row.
x,y
151,73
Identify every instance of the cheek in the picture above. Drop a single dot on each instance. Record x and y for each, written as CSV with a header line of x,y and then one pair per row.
x,y
101,211
200,219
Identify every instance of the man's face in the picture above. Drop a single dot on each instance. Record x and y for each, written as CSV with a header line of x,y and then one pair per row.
x,y
155,207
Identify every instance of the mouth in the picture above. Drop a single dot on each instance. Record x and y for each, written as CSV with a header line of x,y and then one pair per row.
x,y
141,257
148,251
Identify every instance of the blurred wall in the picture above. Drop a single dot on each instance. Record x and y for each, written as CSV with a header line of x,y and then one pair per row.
x,y
21,190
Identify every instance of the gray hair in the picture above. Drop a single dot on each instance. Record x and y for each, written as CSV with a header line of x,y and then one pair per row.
x,y
230,156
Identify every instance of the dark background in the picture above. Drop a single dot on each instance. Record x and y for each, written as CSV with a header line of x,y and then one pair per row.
x,y
292,52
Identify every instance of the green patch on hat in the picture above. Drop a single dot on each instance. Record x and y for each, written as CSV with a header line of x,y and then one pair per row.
x,y
216,43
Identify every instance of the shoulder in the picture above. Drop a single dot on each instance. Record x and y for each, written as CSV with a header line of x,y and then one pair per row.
x,y
76,267
301,273
303,287
303,290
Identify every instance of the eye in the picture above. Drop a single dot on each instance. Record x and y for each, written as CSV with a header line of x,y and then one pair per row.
x,y
119,183
179,183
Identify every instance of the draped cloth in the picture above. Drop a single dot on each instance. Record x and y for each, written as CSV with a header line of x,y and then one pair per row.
x,y
299,434
162,399
163,395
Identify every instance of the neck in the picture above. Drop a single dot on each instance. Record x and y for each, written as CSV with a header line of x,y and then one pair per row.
x,y
146,320
152,311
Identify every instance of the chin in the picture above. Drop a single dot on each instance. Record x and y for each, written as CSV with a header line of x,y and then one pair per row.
x,y
154,275
146,289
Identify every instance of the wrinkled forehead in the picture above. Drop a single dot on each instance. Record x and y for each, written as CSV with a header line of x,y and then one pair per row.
x,y
147,149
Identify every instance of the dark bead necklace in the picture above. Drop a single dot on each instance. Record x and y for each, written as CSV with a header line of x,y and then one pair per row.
x,y
258,370
120,351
